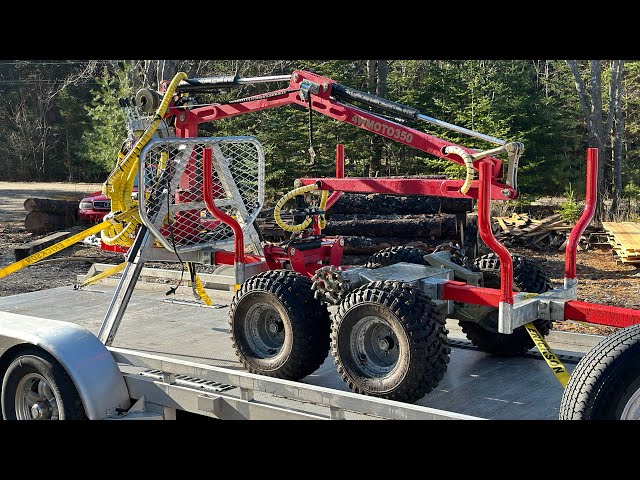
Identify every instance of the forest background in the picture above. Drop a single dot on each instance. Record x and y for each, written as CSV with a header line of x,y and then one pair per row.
x,y
62,120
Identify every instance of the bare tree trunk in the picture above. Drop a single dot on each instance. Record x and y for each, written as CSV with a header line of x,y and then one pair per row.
x,y
377,85
617,140
591,105
585,103
596,122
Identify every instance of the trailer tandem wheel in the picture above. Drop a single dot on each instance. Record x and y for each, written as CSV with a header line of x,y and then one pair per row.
x,y
277,328
36,387
527,277
389,340
605,384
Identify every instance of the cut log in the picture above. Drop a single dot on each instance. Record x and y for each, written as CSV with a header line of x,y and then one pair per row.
x,y
43,222
30,248
409,226
61,207
354,203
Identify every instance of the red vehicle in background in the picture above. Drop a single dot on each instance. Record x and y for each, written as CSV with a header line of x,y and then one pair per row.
x,y
96,205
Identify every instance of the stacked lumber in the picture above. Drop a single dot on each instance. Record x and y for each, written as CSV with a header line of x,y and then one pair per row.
x,y
46,215
521,230
624,237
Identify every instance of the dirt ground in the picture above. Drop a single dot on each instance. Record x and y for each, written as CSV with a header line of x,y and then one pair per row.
x,y
601,278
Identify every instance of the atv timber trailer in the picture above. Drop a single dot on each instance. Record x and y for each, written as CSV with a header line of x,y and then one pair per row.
x,y
199,196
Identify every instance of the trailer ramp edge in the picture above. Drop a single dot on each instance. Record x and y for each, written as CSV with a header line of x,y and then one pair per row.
x,y
335,400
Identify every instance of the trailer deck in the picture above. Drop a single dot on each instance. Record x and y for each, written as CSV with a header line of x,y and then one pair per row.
x,y
476,384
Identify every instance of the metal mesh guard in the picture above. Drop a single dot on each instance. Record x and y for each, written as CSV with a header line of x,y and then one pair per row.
x,y
171,201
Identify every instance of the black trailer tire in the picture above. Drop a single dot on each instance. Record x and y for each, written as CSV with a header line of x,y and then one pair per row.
x,y
389,340
605,384
391,255
36,387
278,328
528,276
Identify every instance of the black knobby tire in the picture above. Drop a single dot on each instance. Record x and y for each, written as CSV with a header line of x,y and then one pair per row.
x,y
277,328
29,371
528,276
391,255
606,380
416,350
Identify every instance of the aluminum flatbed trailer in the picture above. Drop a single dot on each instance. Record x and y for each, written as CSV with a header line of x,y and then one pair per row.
x,y
175,354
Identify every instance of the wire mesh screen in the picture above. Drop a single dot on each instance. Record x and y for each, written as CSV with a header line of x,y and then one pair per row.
x,y
171,200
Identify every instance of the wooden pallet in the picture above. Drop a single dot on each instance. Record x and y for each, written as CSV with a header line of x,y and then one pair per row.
x,y
624,237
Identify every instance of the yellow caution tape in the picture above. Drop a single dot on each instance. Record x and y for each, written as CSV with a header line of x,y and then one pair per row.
x,y
107,273
552,360
46,252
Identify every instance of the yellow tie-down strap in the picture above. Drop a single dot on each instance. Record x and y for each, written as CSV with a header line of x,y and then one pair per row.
x,y
107,273
55,248
551,358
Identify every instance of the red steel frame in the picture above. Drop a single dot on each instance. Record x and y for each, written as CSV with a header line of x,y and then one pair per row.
x,y
488,186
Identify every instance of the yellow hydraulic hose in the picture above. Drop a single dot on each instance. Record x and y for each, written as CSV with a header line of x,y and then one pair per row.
x,y
307,221
468,163
119,184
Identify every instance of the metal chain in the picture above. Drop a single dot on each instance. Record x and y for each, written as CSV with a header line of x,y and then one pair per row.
x,y
312,152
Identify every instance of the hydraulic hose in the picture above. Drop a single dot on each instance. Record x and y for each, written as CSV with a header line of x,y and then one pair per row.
x,y
468,163
119,184
307,221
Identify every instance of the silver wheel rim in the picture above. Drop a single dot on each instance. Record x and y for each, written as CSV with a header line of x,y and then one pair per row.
x,y
632,408
264,330
374,346
35,400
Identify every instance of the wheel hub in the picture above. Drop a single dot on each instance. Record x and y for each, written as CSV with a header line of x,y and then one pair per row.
x,y
385,343
41,411
264,330
374,345
35,400
275,326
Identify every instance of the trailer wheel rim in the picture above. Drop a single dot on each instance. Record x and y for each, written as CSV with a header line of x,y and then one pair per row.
x,y
35,399
264,330
631,410
374,346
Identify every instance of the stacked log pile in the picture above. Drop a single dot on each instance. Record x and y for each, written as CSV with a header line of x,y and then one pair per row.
x,y
369,223
47,215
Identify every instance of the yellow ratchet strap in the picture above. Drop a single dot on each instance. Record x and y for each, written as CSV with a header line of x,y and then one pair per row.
x,y
197,286
107,273
55,248
551,358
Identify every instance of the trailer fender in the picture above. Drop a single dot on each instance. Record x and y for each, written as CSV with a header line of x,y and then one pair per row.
x,y
87,361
